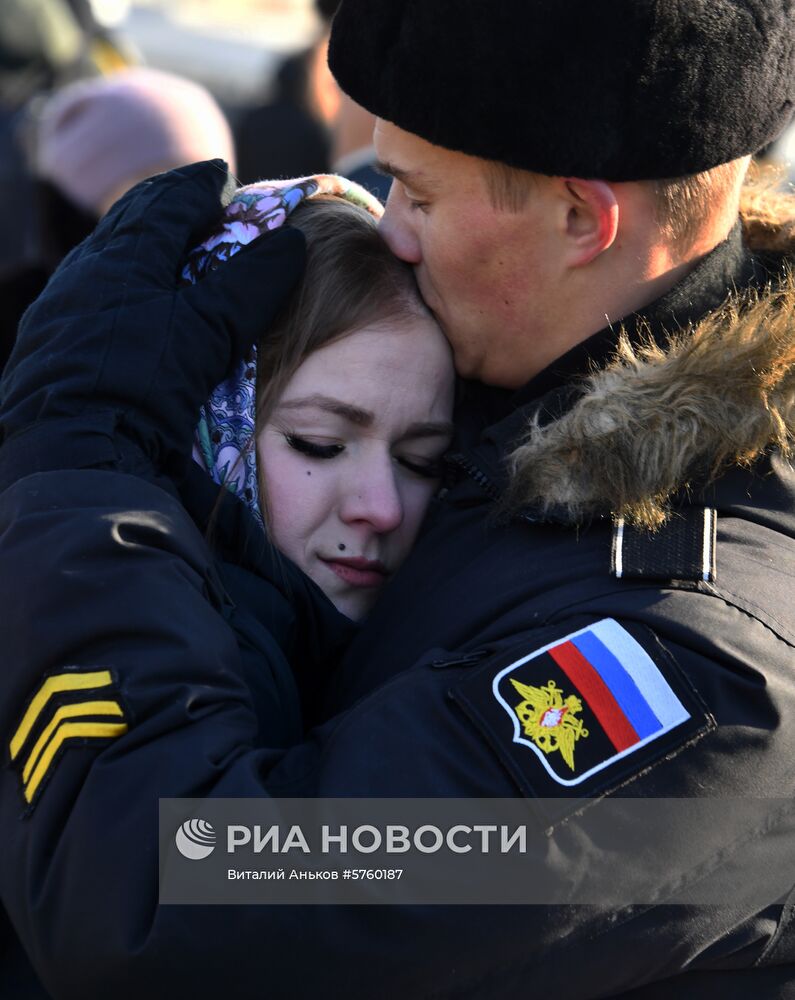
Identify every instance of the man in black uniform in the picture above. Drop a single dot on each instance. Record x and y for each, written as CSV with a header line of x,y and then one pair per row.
x,y
601,601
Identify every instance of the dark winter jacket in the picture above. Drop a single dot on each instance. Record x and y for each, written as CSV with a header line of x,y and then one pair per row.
x,y
105,573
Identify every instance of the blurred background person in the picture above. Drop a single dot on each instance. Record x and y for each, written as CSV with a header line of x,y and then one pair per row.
x,y
289,135
309,126
353,153
94,139
97,138
44,44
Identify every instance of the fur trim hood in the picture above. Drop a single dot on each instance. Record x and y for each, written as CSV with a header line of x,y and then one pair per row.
x,y
655,422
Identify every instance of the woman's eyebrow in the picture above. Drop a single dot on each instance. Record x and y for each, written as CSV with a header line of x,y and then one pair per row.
x,y
354,414
364,418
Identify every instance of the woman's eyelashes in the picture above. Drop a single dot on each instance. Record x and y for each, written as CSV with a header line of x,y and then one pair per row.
x,y
426,468
312,449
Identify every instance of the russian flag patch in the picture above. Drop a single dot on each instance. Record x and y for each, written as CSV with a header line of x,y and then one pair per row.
x,y
589,702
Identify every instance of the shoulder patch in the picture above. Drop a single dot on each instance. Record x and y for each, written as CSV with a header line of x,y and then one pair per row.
x,y
583,712
70,707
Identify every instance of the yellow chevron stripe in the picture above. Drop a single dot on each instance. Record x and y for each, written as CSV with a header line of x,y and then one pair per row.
x,y
60,682
68,731
67,712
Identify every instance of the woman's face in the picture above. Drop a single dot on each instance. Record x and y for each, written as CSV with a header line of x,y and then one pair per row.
x,y
350,455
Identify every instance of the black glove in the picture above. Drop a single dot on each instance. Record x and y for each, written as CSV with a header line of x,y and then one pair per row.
x,y
117,348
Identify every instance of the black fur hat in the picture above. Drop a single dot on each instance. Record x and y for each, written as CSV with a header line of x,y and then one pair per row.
x,y
613,89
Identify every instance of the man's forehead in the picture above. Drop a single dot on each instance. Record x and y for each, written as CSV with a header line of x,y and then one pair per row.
x,y
402,149
414,160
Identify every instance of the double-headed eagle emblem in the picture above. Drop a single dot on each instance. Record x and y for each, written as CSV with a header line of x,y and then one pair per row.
x,y
550,720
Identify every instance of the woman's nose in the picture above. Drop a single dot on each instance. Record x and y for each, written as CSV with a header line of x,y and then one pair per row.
x,y
396,229
373,498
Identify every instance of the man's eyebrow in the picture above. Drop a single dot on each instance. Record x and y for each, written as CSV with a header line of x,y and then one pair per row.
x,y
355,414
411,178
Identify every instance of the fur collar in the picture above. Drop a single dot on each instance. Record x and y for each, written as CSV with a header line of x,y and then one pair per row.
x,y
657,422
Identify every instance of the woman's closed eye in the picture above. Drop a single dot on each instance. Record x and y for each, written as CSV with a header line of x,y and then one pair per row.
x,y
427,468
312,449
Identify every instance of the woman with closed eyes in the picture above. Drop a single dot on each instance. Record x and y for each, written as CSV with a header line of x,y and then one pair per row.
x,y
334,436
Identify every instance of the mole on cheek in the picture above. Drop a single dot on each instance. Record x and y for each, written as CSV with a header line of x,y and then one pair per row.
x,y
308,472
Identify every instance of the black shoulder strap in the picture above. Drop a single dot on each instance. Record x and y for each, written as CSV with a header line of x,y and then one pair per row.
x,y
682,549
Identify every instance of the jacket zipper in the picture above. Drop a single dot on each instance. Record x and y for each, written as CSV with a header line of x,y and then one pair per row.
x,y
460,659
474,473
484,482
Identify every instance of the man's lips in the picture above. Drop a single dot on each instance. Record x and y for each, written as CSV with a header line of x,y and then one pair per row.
x,y
358,572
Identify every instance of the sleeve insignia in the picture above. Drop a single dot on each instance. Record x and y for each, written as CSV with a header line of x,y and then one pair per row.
x,y
548,720
585,712
69,708
609,678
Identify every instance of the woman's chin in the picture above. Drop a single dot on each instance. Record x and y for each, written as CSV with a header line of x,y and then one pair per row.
x,y
352,598
353,606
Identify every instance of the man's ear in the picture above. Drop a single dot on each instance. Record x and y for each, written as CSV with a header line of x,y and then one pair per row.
x,y
591,219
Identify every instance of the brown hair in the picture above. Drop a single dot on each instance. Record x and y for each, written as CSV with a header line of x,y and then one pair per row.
x,y
508,187
351,280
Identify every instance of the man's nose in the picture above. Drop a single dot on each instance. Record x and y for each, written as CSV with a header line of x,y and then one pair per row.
x,y
396,229
373,498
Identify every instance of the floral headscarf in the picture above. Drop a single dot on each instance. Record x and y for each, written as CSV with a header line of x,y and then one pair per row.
x,y
224,440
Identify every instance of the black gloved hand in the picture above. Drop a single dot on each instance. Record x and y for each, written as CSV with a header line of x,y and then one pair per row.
x,y
117,346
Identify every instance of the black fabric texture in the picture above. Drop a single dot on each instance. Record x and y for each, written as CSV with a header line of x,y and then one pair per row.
x,y
615,89
267,587
199,728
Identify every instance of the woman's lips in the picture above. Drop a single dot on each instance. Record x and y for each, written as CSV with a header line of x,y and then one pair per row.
x,y
358,572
